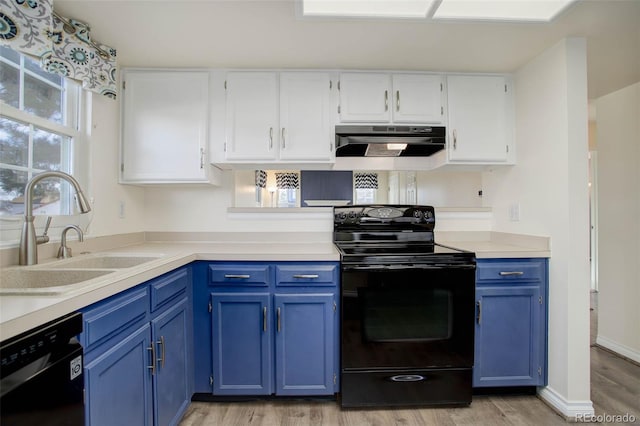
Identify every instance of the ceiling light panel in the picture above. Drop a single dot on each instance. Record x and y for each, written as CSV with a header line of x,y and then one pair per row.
x,y
501,10
367,8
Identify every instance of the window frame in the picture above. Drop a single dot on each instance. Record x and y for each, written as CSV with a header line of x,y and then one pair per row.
x,y
75,109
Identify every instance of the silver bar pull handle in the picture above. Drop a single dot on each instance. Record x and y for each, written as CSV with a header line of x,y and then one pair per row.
x,y
386,100
307,276
455,139
397,100
161,350
284,144
278,318
479,316
511,273
264,318
201,158
237,276
152,367
270,137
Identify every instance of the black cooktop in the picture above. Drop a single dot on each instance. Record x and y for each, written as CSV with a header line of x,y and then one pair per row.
x,y
391,234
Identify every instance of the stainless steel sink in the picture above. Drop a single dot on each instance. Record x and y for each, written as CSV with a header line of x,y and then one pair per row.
x,y
46,281
101,262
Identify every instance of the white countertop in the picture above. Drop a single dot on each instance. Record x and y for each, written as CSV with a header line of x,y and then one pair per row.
x,y
19,313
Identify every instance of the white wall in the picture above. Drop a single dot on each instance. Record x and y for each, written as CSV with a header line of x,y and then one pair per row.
x,y
550,184
449,189
103,188
618,118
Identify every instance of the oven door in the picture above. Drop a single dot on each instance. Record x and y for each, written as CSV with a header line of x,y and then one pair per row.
x,y
407,317
407,335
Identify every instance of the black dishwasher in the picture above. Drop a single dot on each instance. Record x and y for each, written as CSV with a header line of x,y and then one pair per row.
x,y
41,379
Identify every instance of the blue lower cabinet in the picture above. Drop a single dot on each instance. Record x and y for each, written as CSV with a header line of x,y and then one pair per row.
x,y
138,364
241,325
118,383
510,333
171,388
304,344
281,339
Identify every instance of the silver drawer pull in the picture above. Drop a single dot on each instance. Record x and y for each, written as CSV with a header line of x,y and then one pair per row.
x,y
511,273
307,277
242,277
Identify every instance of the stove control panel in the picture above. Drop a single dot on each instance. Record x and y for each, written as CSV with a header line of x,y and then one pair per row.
x,y
381,215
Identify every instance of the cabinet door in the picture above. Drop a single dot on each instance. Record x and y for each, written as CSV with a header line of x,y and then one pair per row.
x,y
241,343
417,98
169,332
252,117
365,97
478,118
164,126
306,133
118,383
304,344
508,336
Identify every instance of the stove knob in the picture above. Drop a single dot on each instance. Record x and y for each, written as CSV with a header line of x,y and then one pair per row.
x,y
417,214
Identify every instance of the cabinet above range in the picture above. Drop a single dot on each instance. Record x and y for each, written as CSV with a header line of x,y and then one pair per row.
x,y
269,116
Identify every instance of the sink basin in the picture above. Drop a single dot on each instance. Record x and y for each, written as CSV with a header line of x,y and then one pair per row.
x,y
101,262
45,281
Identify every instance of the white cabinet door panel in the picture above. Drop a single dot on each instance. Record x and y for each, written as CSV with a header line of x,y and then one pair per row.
x,y
417,98
478,126
164,126
365,97
252,116
306,133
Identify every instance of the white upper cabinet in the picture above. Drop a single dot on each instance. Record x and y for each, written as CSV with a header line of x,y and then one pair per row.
x,y
164,126
252,116
364,97
385,98
480,110
306,131
274,116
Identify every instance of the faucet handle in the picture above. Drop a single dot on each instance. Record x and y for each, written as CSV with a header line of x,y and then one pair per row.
x,y
44,238
46,226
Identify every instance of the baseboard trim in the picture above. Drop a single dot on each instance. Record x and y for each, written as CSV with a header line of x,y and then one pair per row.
x,y
570,410
617,348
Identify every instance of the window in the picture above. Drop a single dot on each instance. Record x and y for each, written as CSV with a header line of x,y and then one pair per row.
x,y
365,196
38,130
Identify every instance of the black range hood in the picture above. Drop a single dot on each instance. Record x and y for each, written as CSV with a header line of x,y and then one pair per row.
x,y
389,141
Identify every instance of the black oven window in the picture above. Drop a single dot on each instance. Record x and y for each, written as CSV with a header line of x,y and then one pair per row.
x,y
408,316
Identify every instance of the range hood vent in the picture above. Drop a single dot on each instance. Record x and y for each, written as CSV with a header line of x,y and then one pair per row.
x,y
389,141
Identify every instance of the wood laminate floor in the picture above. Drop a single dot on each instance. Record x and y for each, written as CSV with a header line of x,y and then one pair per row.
x,y
615,390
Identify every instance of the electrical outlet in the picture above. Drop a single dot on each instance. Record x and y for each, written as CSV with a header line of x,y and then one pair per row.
x,y
514,212
121,211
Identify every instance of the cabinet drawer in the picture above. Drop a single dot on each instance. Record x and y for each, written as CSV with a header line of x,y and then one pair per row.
x,y
169,287
295,275
241,275
115,316
511,270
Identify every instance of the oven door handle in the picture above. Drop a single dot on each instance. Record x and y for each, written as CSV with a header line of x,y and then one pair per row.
x,y
407,378
394,267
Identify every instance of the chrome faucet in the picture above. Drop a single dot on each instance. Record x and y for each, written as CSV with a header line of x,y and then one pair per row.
x,y
64,251
28,240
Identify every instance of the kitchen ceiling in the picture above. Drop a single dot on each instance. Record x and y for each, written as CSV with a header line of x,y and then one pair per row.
x,y
271,34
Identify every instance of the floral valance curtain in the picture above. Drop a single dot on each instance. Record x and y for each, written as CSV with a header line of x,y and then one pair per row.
x,y
64,46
